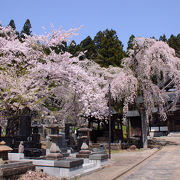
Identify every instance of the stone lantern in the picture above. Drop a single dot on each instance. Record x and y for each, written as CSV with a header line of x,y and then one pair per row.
x,y
56,138
4,150
54,132
84,137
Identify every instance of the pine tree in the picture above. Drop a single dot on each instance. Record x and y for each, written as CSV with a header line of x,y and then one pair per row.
x,y
12,24
174,42
97,39
152,37
163,38
109,48
26,29
73,49
88,47
130,42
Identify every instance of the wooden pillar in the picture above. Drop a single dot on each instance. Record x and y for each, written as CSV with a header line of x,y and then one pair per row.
x,y
168,124
128,133
88,133
122,138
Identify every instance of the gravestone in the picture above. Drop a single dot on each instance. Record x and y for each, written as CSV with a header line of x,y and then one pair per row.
x,y
25,126
31,141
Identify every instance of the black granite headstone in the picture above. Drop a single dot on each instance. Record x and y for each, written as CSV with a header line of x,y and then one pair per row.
x,y
25,126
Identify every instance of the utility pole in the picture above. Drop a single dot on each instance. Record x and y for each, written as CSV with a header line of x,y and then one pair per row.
x,y
109,121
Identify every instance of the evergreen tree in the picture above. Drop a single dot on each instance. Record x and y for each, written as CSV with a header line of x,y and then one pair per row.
x,y
62,48
88,47
12,24
73,49
130,42
153,38
26,29
174,42
163,38
97,39
1,34
109,48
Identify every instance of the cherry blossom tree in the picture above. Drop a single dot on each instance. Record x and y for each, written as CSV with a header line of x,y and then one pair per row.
x,y
153,67
29,76
154,64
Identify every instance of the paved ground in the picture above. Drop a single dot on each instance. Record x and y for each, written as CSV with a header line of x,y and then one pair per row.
x,y
119,164
163,164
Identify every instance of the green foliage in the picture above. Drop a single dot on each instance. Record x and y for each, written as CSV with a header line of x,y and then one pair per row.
x,y
26,29
174,42
12,24
163,38
62,48
73,49
109,48
88,47
153,37
130,42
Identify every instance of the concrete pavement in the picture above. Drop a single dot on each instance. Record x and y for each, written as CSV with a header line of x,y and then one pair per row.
x,y
120,163
164,165
143,164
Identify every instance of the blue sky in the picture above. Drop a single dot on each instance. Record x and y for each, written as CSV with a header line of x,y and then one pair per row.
x,y
145,18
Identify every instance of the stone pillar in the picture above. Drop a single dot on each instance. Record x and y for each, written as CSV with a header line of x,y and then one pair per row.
x,y
144,127
67,133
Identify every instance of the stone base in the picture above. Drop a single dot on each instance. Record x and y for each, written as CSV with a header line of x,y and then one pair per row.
x,y
65,168
54,156
98,157
15,156
68,163
83,154
12,169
